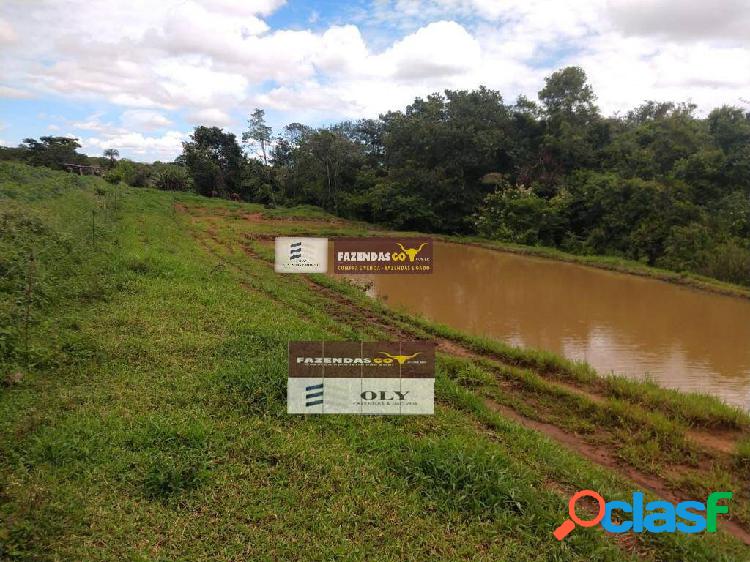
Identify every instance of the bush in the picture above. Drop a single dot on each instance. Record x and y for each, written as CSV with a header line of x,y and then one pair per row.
x,y
687,247
113,176
729,262
132,173
171,177
516,214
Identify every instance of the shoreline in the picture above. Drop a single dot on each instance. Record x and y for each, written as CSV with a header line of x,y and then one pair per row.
x,y
607,263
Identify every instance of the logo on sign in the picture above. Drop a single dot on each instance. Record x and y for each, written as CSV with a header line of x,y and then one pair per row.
x,y
411,253
301,255
639,516
401,359
295,250
314,394
382,255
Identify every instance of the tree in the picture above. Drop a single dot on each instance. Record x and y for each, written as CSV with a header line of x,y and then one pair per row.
x,y
53,152
256,185
112,154
568,107
441,147
258,132
567,93
214,161
333,151
317,165
516,214
730,127
653,138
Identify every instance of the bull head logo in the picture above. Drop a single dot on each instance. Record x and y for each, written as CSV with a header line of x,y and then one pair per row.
x,y
411,252
400,358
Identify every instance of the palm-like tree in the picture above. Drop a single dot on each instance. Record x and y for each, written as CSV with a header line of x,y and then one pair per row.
x,y
112,154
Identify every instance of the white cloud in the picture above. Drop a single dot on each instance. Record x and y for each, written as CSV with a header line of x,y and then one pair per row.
x,y
7,33
210,59
244,7
341,51
14,93
704,74
683,20
440,55
127,136
191,84
211,117
632,50
438,50
164,147
143,119
173,54
92,123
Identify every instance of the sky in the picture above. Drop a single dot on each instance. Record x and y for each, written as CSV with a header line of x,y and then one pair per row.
x,y
138,75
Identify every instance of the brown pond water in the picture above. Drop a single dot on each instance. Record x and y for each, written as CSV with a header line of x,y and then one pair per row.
x,y
680,337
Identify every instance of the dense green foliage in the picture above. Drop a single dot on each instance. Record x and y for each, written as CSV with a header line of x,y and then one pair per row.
x,y
660,184
57,152
52,152
214,160
168,177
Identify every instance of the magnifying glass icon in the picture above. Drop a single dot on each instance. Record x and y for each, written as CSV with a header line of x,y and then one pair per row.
x,y
569,524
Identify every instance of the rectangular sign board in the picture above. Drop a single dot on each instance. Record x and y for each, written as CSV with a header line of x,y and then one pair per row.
x,y
301,255
375,255
361,377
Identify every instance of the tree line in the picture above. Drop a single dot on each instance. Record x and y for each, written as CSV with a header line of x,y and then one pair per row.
x,y
658,184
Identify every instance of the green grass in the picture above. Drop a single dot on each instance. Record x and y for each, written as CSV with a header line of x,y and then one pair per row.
x,y
150,421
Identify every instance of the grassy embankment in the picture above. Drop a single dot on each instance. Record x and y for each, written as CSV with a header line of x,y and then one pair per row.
x,y
149,422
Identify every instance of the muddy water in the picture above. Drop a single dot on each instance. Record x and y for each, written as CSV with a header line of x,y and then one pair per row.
x,y
681,337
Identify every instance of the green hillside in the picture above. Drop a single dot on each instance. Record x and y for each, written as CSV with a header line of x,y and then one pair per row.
x,y
143,341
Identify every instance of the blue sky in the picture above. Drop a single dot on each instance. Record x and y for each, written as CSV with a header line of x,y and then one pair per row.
x,y
138,75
